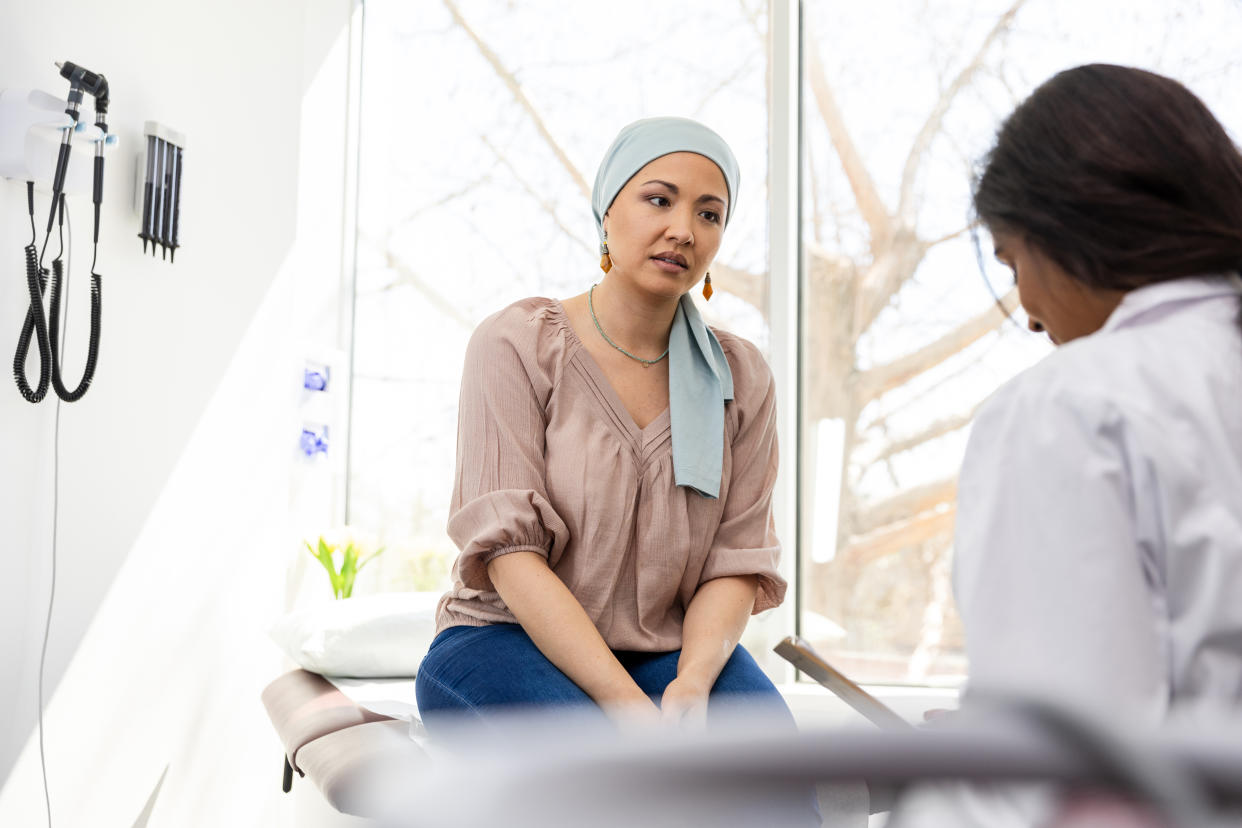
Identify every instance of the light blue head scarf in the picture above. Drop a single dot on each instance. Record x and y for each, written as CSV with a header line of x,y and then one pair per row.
x,y
699,379
642,142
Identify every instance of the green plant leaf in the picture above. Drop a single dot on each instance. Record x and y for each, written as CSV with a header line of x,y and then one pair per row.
x,y
324,559
349,569
324,555
370,558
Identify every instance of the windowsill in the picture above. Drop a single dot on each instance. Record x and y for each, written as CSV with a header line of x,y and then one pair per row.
x,y
814,706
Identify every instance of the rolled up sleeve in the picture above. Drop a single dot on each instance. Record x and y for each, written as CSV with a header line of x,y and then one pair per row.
x,y
500,503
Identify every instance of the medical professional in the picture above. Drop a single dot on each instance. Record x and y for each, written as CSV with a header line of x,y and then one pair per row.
x,y
615,465
1099,528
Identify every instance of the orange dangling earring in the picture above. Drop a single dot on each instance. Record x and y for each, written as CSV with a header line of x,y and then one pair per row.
x,y
605,261
707,286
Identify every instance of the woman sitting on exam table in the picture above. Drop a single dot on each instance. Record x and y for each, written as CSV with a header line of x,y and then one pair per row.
x,y
1099,523
615,465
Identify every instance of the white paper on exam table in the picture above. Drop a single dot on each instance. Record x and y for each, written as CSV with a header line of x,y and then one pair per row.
x,y
392,697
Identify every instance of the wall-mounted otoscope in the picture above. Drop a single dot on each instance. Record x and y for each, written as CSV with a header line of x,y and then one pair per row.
x,y
83,80
46,334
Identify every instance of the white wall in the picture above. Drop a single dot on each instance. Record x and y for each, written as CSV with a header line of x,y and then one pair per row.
x,y
176,469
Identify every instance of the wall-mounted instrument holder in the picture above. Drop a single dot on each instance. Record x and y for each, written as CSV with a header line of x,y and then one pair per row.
x,y
36,144
32,124
157,189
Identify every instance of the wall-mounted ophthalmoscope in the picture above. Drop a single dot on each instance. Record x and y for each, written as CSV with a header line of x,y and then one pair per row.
x,y
45,332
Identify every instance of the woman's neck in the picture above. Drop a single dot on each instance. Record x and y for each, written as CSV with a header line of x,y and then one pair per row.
x,y
634,318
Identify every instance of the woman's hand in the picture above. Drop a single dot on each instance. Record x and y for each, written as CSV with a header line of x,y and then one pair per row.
x,y
636,714
685,702
714,622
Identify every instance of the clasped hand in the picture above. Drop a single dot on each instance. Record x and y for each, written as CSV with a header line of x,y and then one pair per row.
x,y
684,702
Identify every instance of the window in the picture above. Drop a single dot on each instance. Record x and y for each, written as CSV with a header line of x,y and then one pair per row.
x,y
902,338
482,125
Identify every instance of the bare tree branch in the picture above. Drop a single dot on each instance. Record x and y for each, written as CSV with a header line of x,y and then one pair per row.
x,y
928,245
931,636
752,17
832,261
892,268
747,286
817,213
516,89
443,200
903,505
917,398
867,197
898,262
407,276
547,206
898,536
939,428
884,378
743,68
931,127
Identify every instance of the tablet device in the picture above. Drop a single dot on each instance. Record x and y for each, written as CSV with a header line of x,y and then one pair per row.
x,y
801,655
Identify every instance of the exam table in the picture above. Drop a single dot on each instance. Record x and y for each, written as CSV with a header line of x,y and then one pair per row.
x,y
346,749
377,766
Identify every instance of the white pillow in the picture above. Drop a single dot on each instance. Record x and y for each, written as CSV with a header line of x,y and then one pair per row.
x,y
370,636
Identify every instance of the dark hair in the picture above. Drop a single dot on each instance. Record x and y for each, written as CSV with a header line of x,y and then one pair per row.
x,y
1123,177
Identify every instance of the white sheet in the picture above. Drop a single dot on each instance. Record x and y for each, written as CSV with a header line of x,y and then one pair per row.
x,y
392,697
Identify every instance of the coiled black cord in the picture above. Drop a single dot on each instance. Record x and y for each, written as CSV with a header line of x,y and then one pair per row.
x,y
92,353
56,339
54,334
36,281
47,332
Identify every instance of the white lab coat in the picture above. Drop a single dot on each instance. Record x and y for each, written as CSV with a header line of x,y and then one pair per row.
x,y
1099,525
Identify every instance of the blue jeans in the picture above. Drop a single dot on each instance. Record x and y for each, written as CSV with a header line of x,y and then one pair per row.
x,y
471,670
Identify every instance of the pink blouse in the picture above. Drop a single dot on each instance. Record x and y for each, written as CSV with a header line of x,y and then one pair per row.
x,y
550,461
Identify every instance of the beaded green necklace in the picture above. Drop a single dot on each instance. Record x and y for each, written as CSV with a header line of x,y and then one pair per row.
x,y
591,304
